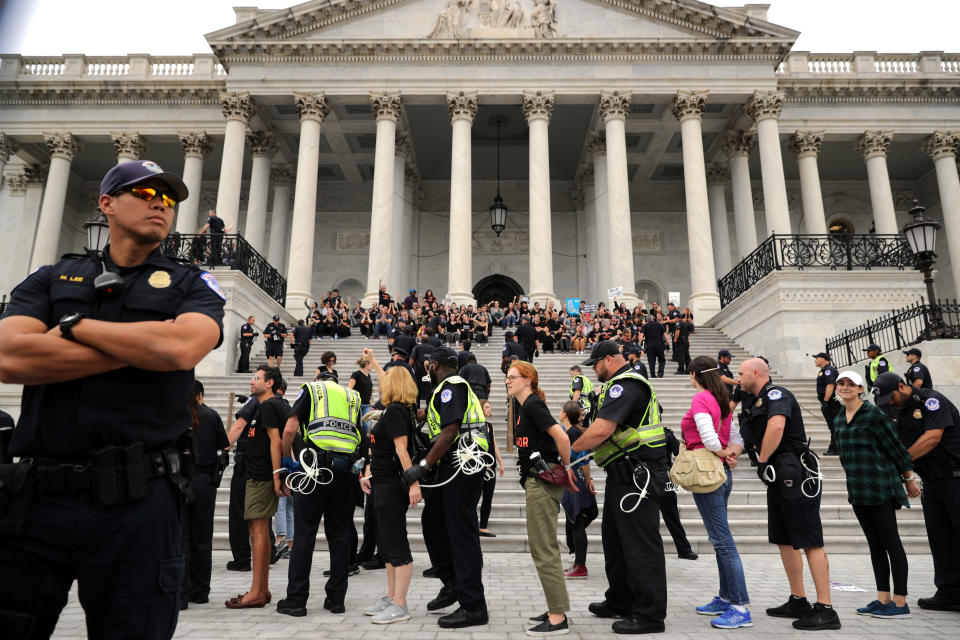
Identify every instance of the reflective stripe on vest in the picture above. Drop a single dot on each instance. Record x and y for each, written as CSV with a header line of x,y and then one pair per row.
x,y
473,418
874,365
334,412
648,433
584,392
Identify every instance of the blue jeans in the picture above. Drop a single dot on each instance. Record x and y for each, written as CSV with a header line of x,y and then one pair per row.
x,y
713,509
284,518
365,408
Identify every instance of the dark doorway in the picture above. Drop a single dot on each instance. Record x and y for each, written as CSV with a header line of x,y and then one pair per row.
x,y
501,288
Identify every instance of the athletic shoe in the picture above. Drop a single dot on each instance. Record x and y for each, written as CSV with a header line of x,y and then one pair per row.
x,y
533,621
890,611
793,608
713,608
576,572
547,629
823,617
393,613
870,608
732,619
378,606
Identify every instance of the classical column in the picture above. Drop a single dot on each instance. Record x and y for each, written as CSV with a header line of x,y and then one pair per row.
x,y
463,109
196,145
737,147
579,199
312,109
7,148
537,107
281,177
397,281
129,146
717,176
238,109
806,146
873,146
411,192
597,148
29,184
585,186
764,107
614,106
63,148
387,109
262,148
943,147
704,301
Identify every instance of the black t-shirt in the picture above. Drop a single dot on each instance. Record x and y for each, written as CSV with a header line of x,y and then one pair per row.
x,y
272,414
626,403
421,353
211,437
513,349
682,331
918,370
362,385
526,334
531,434
217,225
827,376
301,335
395,422
926,410
462,359
772,401
478,377
274,332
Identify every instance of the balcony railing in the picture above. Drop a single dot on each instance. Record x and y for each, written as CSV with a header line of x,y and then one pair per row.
x,y
831,252
228,250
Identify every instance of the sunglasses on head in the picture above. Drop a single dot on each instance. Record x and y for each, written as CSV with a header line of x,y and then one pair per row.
x,y
148,194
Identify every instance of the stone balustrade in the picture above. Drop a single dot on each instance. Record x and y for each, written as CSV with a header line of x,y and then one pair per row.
x,y
131,67
869,62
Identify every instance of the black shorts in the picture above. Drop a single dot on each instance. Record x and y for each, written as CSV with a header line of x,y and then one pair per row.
x,y
274,349
793,518
391,501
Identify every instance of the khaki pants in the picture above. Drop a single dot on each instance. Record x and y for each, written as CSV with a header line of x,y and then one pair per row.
x,y
543,501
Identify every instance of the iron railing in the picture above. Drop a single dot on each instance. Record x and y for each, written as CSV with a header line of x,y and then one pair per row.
x,y
3,305
228,250
896,331
814,251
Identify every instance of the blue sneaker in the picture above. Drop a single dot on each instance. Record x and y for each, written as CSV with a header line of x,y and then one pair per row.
x,y
713,608
892,611
870,608
732,619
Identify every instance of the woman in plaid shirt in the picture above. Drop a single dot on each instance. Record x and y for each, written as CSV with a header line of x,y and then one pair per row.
x,y
877,467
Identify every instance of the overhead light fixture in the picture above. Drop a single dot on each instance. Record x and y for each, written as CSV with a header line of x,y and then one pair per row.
x,y
498,210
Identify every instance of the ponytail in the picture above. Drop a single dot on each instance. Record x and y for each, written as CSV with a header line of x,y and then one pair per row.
x,y
705,370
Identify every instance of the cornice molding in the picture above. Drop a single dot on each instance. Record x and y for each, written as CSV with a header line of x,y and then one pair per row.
x,y
121,94
869,94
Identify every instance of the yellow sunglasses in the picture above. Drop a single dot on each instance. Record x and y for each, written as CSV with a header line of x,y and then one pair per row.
x,y
149,193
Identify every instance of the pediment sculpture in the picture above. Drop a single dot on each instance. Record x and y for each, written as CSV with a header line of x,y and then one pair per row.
x,y
497,19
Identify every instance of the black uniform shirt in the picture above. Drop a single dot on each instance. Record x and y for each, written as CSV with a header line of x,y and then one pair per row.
x,y
478,377
641,368
918,370
724,370
772,401
68,420
513,349
246,328
274,332
531,433
827,376
652,334
211,437
217,225
301,335
271,414
526,334
626,403
682,331
928,409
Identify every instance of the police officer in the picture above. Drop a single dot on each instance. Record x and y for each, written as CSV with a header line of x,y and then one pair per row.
x,y
301,345
653,341
681,345
274,335
723,366
775,430
247,334
217,228
633,353
878,364
101,419
528,338
629,443
917,374
450,528
327,416
580,389
511,348
929,426
830,406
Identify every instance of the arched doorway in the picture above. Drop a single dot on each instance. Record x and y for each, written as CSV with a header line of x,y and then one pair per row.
x,y
350,290
649,291
501,288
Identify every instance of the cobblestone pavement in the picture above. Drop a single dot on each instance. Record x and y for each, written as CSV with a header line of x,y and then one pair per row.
x,y
513,594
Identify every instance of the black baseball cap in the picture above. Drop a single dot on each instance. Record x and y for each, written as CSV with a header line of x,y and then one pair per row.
x,y
326,374
913,352
445,356
631,347
128,174
884,386
822,354
402,351
276,317
724,352
873,347
600,351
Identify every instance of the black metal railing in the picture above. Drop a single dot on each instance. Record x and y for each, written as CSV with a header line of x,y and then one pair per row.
x,y
812,251
897,330
3,305
228,250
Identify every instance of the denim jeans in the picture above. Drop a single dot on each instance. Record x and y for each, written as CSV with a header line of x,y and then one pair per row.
x,y
713,509
284,518
367,425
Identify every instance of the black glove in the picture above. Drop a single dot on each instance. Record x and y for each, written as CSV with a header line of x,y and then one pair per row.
x,y
766,473
414,473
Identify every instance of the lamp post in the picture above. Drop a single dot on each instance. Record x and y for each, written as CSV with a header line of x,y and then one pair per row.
x,y
98,233
921,235
498,210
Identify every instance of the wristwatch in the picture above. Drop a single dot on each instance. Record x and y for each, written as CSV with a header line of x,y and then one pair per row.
x,y
68,322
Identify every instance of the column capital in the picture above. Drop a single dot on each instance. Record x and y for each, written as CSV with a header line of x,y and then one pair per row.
x,y
261,144
386,105
237,106
538,105
411,177
17,184
764,105
311,106
942,144
874,144
462,106
8,147
282,175
62,145
717,174
738,142
584,178
688,104
31,176
129,144
402,143
806,144
614,105
195,144
597,143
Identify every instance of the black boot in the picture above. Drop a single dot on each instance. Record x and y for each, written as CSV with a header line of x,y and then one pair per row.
x,y
446,597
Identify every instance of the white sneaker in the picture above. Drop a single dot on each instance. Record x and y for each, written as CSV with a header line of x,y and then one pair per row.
x,y
379,606
393,613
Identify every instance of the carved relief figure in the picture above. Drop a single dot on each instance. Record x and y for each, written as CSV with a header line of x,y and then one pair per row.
x,y
544,18
451,21
506,14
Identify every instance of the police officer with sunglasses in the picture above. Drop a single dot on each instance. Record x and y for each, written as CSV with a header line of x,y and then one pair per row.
x,y
105,344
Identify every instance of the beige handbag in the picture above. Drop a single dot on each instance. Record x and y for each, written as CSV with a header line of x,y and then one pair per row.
x,y
698,471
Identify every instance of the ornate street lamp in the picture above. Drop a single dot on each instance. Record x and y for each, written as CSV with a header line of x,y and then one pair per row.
x,y
98,233
498,210
921,235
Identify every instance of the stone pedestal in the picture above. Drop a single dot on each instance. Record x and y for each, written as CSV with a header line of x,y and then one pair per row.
x,y
942,358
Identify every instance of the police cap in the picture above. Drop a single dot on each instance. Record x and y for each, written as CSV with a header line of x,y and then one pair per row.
x,y
913,352
873,347
445,356
884,386
601,350
128,174
822,354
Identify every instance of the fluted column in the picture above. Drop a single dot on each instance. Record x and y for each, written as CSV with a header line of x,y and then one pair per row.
x,y
717,176
312,109
614,106
597,148
386,108
238,109
537,107
196,145
397,281
129,146
704,301
8,147
806,146
764,107
943,147
737,147
873,146
281,177
585,185
463,109
29,184
63,148
411,192
262,148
